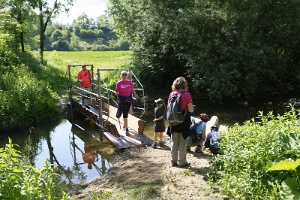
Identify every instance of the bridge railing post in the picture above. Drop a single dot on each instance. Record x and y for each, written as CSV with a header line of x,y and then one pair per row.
x,y
100,122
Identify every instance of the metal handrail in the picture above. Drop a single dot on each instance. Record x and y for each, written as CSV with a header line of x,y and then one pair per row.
x,y
101,96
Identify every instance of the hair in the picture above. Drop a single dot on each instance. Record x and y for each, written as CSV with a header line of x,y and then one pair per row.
x,y
124,72
204,117
180,83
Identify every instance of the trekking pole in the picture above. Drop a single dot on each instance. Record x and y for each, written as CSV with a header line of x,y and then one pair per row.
x,y
118,111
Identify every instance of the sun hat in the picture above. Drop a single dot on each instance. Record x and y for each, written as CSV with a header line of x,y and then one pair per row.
x,y
158,101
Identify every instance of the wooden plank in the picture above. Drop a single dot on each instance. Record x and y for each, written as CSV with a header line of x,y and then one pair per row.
x,y
114,132
120,142
133,122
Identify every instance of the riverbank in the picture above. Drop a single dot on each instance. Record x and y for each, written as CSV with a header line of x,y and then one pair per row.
x,y
146,173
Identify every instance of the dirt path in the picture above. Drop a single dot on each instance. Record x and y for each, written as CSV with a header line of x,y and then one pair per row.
x,y
148,165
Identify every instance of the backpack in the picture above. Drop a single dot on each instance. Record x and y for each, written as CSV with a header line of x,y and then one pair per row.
x,y
175,115
215,139
195,138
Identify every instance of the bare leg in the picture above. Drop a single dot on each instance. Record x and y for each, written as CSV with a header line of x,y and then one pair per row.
x,y
125,122
161,136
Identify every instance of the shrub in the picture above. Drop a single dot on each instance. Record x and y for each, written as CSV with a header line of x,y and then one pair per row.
x,y
20,180
248,151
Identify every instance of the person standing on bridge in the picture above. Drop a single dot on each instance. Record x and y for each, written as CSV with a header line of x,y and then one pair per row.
x,y
84,78
124,90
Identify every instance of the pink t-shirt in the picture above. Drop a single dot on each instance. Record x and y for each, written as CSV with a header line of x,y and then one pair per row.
x,y
124,87
186,98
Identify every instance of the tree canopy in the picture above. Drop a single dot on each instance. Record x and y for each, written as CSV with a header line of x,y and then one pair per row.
x,y
226,49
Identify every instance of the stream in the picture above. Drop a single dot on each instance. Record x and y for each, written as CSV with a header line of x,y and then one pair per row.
x,y
81,157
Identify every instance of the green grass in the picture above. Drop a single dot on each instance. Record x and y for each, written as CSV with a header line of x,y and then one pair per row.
x,y
100,59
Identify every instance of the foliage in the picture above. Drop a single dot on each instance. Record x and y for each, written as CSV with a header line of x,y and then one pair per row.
x,y
244,170
84,34
20,180
226,49
29,92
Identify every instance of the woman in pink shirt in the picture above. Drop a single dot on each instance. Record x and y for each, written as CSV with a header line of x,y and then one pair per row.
x,y
180,133
124,90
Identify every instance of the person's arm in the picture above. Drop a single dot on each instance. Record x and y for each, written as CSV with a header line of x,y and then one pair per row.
x,y
190,108
157,119
117,89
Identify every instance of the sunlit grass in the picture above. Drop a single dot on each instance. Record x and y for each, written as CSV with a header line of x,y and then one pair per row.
x,y
100,59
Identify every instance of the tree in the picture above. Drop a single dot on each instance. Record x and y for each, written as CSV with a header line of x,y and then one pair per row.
x,y
21,15
226,49
46,13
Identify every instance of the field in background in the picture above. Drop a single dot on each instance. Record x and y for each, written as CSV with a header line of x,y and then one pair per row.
x,y
100,59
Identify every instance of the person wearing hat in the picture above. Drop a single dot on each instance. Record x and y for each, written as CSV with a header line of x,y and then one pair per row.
x,y
84,79
159,123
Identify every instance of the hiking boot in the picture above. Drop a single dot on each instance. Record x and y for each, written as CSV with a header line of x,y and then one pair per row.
x,y
153,145
199,149
161,144
188,149
174,164
185,165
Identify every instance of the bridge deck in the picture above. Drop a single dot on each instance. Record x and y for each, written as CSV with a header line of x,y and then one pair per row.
x,y
112,126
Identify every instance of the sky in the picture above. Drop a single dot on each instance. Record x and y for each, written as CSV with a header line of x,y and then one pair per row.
x,y
93,8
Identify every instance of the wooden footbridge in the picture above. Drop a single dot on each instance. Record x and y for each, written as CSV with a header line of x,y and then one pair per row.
x,y
102,108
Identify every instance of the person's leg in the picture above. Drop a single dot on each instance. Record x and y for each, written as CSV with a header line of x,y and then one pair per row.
x,y
154,140
182,150
125,115
161,136
175,146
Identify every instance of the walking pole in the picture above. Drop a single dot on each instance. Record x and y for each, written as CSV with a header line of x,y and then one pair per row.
x,y
118,111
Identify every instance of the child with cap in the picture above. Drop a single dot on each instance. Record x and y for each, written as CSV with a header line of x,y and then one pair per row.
x,y
159,123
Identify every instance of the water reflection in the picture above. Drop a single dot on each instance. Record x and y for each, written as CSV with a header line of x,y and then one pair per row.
x,y
66,146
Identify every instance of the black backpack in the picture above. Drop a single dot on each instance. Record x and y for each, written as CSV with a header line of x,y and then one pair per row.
x,y
175,115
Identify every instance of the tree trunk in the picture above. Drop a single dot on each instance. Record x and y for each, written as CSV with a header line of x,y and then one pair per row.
x,y
22,41
42,36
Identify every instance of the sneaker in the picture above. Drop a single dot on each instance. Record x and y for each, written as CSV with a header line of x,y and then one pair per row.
x,y
153,145
185,165
174,164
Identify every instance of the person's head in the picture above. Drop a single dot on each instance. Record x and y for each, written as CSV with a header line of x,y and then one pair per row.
x,y
83,65
180,84
124,75
159,102
214,128
203,117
